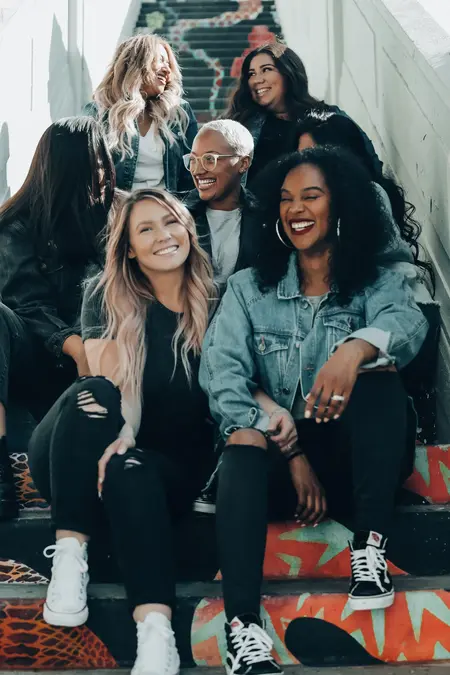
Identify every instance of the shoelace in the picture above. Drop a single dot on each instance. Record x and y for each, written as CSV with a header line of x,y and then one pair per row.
x,y
144,628
54,550
366,563
252,645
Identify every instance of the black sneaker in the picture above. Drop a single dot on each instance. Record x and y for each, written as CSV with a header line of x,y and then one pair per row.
x,y
8,501
249,648
206,502
371,585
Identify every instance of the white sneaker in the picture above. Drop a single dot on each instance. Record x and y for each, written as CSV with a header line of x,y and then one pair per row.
x,y
157,652
66,603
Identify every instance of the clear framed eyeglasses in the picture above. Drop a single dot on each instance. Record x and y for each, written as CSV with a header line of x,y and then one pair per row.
x,y
208,161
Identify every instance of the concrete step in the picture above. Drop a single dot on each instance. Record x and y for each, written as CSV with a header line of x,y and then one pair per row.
x,y
309,621
428,669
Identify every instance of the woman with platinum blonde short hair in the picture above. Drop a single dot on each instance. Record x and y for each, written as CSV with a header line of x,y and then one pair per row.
x,y
225,213
132,443
149,125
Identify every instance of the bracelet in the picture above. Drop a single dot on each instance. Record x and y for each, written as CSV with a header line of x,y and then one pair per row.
x,y
295,452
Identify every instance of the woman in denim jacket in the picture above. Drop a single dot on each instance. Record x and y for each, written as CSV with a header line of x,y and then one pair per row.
x,y
322,330
149,126
49,237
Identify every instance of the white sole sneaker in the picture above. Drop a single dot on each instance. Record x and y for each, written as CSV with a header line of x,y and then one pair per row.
x,y
375,602
69,620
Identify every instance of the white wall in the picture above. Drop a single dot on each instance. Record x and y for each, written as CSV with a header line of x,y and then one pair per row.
x,y
52,52
387,64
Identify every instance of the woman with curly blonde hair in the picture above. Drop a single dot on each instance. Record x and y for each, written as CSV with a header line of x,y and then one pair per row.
x,y
133,441
149,125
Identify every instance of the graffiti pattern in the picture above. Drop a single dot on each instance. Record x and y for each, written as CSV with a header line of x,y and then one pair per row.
x,y
180,27
416,628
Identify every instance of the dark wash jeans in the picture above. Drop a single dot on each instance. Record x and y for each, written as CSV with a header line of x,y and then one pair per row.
x,y
29,374
144,493
360,461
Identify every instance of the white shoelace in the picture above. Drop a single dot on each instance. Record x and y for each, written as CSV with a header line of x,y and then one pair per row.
x,y
252,645
54,551
145,629
366,563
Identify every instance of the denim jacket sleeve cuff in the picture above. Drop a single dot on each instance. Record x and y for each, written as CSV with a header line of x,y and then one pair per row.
x,y
256,419
376,337
55,342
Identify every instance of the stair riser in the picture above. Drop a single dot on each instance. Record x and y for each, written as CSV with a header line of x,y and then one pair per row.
x,y
316,630
419,545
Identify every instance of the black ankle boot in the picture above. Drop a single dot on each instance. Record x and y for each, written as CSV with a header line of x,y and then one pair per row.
x,y
8,501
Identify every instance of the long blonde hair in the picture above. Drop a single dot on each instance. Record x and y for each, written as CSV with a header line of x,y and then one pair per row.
x,y
127,293
119,96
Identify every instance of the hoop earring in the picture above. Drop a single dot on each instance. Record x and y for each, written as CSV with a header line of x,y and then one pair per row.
x,y
338,229
277,229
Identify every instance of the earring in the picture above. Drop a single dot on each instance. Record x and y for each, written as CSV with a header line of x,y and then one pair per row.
x,y
338,228
277,229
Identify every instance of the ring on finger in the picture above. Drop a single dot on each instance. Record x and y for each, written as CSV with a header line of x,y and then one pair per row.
x,y
338,397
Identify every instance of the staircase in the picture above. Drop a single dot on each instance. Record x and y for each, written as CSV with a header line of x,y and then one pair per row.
x,y
211,39
304,596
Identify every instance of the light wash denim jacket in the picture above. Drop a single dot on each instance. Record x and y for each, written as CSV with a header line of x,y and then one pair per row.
x,y
176,177
273,340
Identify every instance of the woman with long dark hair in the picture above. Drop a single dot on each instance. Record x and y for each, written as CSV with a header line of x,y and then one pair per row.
x,y
148,124
50,234
272,95
323,331
132,444
402,254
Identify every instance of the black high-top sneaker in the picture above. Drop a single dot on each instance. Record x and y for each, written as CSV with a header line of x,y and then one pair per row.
x,y
371,585
249,648
206,501
8,501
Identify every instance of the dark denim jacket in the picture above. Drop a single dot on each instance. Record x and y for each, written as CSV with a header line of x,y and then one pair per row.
x,y
176,176
42,291
256,123
251,221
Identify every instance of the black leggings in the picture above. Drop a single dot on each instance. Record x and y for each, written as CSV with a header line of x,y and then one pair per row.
x,y
364,456
28,372
144,491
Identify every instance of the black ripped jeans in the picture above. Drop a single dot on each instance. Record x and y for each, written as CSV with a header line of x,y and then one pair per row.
x,y
144,491
361,460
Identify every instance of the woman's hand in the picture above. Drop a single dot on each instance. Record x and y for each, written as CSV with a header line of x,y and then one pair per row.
x,y
312,505
282,429
336,379
124,442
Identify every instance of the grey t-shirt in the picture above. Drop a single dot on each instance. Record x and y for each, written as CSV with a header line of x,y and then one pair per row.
x,y
225,228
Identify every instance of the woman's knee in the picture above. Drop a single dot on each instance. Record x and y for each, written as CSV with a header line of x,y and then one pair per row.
x,y
248,437
124,472
95,397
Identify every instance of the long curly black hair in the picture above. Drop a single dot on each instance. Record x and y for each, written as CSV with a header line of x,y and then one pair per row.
x,y
364,227
330,128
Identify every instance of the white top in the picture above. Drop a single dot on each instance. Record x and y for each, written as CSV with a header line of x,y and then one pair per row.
x,y
225,228
149,165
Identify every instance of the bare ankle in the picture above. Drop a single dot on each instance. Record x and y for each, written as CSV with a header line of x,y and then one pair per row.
x,y
142,611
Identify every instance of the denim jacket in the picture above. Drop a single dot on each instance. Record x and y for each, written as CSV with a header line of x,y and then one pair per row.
x,y
176,177
273,340
41,290
256,123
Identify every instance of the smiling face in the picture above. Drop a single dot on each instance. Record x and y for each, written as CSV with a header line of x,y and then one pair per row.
x,y
159,74
266,83
222,184
158,241
305,208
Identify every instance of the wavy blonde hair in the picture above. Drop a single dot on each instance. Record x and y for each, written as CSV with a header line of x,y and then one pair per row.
x,y
127,293
119,96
